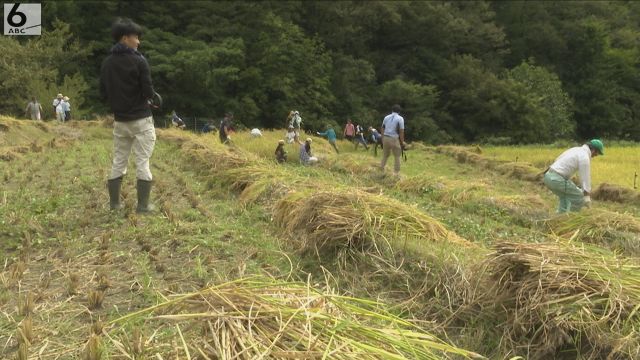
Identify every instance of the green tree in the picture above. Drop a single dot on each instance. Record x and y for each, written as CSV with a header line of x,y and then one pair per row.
x,y
418,104
482,105
544,88
33,69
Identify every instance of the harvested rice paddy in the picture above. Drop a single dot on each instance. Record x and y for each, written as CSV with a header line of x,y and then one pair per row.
x,y
460,257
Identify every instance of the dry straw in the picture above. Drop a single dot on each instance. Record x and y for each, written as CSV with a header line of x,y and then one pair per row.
x,y
617,193
260,182
352,219
561,294
599,226
270,319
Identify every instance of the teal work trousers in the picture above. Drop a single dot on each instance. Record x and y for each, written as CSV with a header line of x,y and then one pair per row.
x,y
570,196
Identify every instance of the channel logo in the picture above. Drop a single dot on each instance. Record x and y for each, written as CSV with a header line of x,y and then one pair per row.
x,y
22,19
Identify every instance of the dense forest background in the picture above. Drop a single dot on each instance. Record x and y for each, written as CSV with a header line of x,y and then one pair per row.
x,y
477,71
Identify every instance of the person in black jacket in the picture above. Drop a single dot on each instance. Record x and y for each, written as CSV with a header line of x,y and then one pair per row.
x,y
125,83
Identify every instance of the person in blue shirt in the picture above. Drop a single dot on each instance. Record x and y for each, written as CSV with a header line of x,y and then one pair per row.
x,y
331,136
376,139
393,138
208,127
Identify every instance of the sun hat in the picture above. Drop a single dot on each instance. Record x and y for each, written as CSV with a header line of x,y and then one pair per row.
x,y
309,140
59,96
280,141
66,98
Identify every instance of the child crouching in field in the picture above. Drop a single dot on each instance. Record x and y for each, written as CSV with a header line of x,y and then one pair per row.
x,y
306,158
281,153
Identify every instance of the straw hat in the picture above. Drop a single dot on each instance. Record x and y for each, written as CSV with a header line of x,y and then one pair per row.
x,y
66,98
280,141
59,96
309,140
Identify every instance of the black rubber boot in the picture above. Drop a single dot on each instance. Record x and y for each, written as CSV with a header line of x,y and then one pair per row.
x,y
144,191
113,185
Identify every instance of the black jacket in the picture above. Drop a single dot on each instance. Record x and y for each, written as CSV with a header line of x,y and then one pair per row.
x,y
125,82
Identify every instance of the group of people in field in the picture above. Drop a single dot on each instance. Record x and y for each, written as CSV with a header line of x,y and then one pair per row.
x,y
125,84
391,139
61,109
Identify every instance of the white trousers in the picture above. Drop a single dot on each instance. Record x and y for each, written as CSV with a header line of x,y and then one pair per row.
x,y
139,135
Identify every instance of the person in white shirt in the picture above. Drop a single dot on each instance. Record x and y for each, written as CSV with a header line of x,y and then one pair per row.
x,y
393,138
291,135
55,104
66,107
255,133
33,109
60,114
558,176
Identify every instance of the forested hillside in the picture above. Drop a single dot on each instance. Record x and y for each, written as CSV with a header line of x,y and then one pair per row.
x,y
481,71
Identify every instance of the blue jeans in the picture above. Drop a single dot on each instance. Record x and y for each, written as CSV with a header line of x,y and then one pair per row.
x,y
570,196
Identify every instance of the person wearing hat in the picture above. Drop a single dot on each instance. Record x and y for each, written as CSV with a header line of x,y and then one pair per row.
x,y
60,110
306,158
558,177
66,107
55,104
296,121
331,136
125,83
281,153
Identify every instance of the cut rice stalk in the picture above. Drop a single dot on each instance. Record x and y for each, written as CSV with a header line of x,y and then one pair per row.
x,y
267,318
357,220
558,291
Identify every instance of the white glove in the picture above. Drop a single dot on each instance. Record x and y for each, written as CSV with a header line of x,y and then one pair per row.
x,y
587,200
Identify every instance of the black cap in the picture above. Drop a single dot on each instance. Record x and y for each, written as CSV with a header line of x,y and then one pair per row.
x,y
122,27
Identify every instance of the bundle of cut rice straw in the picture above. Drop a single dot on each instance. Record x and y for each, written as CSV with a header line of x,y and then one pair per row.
x,y
561,293
264,318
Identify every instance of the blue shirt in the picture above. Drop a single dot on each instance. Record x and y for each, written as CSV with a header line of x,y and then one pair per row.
x,y
391,124
375,136
330,134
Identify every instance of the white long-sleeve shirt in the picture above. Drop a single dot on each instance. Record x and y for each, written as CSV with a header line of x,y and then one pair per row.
x,y
577,159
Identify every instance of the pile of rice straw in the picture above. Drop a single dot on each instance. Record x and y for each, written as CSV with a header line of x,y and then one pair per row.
x,y
264,318
561,294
